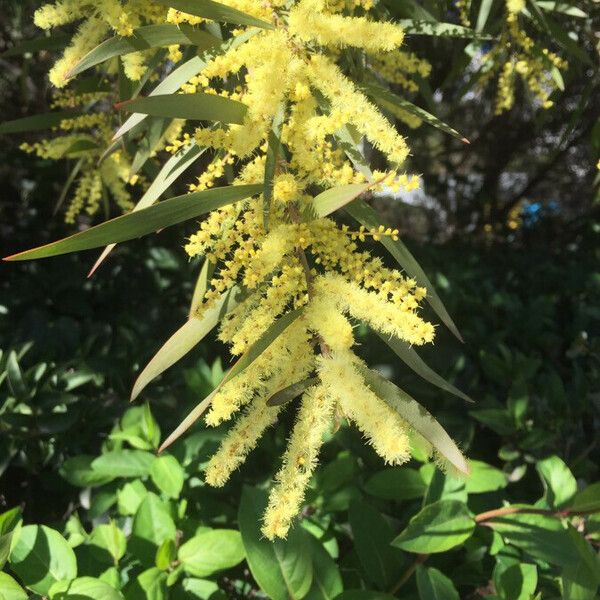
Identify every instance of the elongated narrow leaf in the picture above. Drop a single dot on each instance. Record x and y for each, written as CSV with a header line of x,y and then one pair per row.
x,y
561,7
420,27
204,277
482,16
364,214
143,38
420,367
52,42
217,12
287,394
170,172
265,340
172,82
417,417
335,198
183,340
37,122
67,186
196,107
273,151
381,94
135,224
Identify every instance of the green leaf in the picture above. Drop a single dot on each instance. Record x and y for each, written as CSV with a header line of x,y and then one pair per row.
x,y
194,107
372,537
273,150
364,214
202,284
410,357
335,198
436,528
282,569
379,93
443,486
50,42
110,541
417,417
143,38
482,16
484,478
561,7
130,496
216,12
211,551
287,394
84,588
559,484
135,224
168,475
9,527
588,499
327,580
166,554
152,525
78,471
417,27
10,589
37,122
41,556
150,585
396,483
124,463
515,582
364,595
184,339
434,585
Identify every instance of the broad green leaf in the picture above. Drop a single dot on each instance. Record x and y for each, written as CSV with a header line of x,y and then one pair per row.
x,y
37,122
559,484
396,483
282,569
109,542
436,528
327,581
200,588
216,12
364,214
143,38
166,555
124,463
410,357
130,496
135,224
417,417
168,475
335,198
484,478
379,93
515,582
588,499
50,42
10,589
434,585
184,339
416,27
169,173
364,595
84,588
273,150
443,486
152,525
211,551
150,585
9,523
372,537
41,557
287,394
78,471
194,107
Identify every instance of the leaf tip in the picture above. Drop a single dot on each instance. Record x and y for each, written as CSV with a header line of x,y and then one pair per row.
x,y
464,140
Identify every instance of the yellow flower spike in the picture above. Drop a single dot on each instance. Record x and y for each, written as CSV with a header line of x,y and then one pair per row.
x,y
299,461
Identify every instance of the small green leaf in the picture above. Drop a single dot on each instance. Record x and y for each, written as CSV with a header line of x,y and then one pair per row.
x,y
211,551
484,478
10,589
282,569
15,377
364,214
143,38
587,499
438,527
396,483
417,417
41,557
110,541
150,585
124,463
216,11
559,484
78,471
135,224
273,150
287,394
152,525
515,582
327,581
434,585
50,42
130,496
168,475
335,198
84,588
194,107
166,554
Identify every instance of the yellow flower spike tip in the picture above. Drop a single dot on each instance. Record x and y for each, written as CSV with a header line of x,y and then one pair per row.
x,y
299,461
